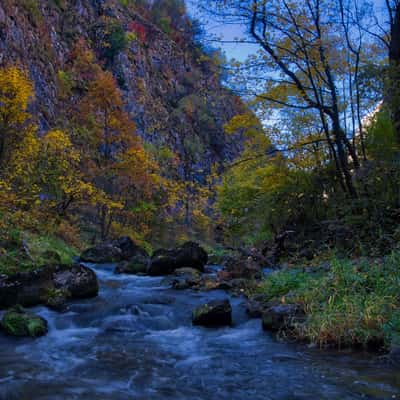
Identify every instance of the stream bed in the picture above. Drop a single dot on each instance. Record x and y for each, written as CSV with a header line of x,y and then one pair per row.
x,y
135,341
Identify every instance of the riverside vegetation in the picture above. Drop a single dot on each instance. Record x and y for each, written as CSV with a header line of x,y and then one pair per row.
x,y
100,141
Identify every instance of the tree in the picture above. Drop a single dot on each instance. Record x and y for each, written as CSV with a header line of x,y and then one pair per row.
x,y
16,91
304,64
102,111
61,180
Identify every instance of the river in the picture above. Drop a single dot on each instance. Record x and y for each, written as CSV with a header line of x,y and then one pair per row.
x,y
136,341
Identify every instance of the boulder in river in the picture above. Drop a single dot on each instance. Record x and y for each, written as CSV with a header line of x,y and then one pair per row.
x,y
282,317
78,280
213,314
136,265
31,288
19,322
189,255
122,249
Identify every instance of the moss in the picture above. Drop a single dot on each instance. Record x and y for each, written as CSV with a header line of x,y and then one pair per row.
x,y
24,251
18,322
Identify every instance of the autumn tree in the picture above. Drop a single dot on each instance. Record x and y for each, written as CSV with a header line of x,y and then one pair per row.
x,y
16,90
305,64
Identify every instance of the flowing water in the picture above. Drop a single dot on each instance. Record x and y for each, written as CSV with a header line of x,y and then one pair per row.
x,y
136,341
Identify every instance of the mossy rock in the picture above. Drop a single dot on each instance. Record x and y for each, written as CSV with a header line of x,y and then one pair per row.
x,y
18,322
213,314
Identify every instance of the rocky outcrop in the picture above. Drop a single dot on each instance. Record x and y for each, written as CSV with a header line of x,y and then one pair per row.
x,y
122,249
162,74
43,285
19,322
213,314
189,255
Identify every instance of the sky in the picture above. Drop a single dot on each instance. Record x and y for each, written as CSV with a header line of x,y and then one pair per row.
x,y
230,32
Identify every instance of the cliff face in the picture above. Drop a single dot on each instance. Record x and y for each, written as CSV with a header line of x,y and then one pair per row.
x,y
171,88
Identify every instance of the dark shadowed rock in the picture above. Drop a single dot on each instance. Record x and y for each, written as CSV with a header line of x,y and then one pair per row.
x,y
282,317
36,287
163,262
136,265
189,255
79,281
122,249
213,314
18,322
101,254
129,249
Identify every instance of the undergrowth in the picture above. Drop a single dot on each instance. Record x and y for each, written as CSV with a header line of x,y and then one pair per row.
x,y
354,304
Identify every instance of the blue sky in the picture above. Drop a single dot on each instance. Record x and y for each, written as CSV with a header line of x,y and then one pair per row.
x,y
230,32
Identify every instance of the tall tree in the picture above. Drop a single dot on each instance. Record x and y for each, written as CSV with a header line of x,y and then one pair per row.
x,y
305,64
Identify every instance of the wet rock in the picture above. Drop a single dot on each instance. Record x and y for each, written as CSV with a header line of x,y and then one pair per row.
x,y
78,280
213,314
129,249
186,278
136,265
57,300
36,287
282,317
25,288
122,249
162,262
18,322
189,255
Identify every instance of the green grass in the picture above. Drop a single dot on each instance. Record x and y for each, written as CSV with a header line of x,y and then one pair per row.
x,y
355,304
13,257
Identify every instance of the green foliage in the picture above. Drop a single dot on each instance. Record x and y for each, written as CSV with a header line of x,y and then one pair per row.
x,y
354,304
381,138
23,251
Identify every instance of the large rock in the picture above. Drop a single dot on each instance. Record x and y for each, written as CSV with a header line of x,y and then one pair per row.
x,y
282,317
136,265
79,281
122,249
129,248
213,314
102,253
18,322
189,255
38,287
163,262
